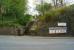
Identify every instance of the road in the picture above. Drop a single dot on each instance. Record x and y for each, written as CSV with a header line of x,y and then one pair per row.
x,y
36,43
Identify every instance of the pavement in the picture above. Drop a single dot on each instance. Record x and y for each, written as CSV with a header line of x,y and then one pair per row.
x,y
36,43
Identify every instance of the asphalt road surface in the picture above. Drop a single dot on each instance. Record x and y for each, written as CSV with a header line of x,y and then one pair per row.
x,y
36,43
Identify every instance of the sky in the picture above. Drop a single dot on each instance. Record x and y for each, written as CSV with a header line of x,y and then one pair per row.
x,y
70,2
32,5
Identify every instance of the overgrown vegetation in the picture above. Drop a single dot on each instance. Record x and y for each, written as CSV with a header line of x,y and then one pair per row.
x,y
12,13
55,15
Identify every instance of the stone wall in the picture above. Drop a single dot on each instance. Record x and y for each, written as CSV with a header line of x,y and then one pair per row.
x,y
8,31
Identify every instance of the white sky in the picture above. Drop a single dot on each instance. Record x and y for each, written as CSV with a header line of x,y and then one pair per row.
x,y
70,2
32,6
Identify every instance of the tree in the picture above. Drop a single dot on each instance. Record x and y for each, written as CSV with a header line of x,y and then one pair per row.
x,y
69,14
12,10
43,8
58,3
24,20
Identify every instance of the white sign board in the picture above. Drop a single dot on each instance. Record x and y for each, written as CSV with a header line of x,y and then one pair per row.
x,y
62,24
54,30
61,31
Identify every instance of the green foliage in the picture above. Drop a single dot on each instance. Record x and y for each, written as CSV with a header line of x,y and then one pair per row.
x,y
24,20
53,14
43,8
69,14
48,13
12,12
